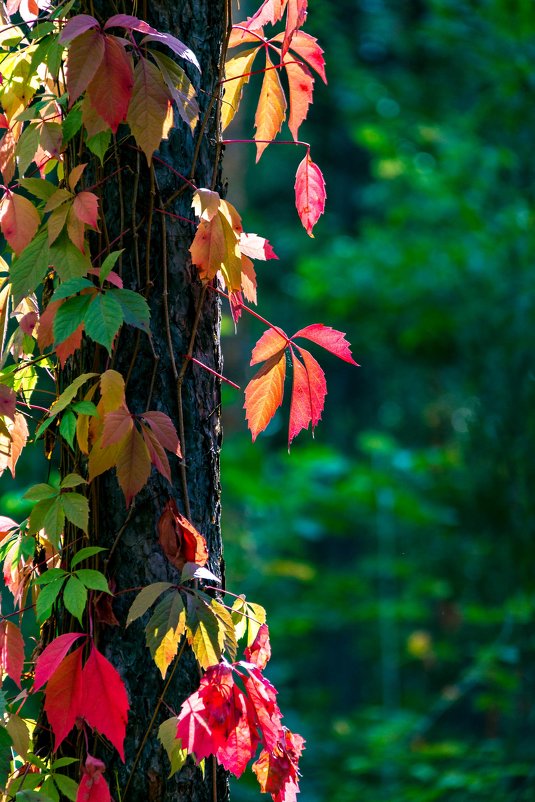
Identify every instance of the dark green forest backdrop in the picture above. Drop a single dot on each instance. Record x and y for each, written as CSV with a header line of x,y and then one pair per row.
x,y
394,552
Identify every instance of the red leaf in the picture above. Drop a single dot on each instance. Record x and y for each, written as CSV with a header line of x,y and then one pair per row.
x,y
270,343
296,14
93,787
50,659
83,60
301,85
105,702
270,11
330,339
164,430
8,400
11,651
130,23
259,652
180,541
256,247
76,26
63,696
306,46
264,393
157,454
85,207
111,88
277,770
117,425
308,394
19,220
309,193
262,696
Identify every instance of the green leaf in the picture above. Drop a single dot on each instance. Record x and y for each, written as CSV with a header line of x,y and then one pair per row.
x,y
165,629
93,580
69,316
54,520
52,575
5,756
69,393
67,427
61,762
26,147
172,745
47,596
72,480
71,287
85,408
39,187
103,320
67,260
67,786
28,269
108,264
40,492
72,123
146,599
39,513
76,509
227,632
203,631
75,597
136,311
99,144
85,553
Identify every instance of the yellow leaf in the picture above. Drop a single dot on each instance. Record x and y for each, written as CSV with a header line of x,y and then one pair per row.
x,y
271,110
236,76
20,735
112,390
147,111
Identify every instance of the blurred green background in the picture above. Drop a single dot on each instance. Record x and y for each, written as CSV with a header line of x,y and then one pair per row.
x,y
394,552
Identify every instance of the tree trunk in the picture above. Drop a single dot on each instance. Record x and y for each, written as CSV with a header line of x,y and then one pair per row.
x,y
156,262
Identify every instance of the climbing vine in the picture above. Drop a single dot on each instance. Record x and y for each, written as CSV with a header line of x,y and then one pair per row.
x,y
73,88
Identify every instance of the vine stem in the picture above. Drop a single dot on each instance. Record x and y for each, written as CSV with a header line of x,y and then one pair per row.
x,y
248,309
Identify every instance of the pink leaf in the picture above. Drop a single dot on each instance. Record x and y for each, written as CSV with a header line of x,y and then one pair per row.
x,y
309,193
174,44
130,23
85,207
307,48
11,651
259,652
317,386
164,430
330,339
76,26
8,398
50,659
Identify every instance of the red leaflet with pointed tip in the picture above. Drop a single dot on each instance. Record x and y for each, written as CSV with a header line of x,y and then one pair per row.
x,y
76,26
270,343
301,86
307,48
111,88
63,696
296,14
50,659
130,23
309,193
256,247
157,454
83,60
277,770
19,220
85,207
263,699
270,11
8,400
308,393
259,652
117,425
164,430
11,651
330,339
271,110
105,702
93,789
264,393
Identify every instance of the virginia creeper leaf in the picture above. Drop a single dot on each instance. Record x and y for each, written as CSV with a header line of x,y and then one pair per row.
x,y
272,342
75,597
165,629
11,651
76,26
105,701
271,111
19,220
133,465
63,696
28,269
309,193
264,393
103,319
167,737
146,599
148,107
83,60
111,87
330,339
237,70
180,541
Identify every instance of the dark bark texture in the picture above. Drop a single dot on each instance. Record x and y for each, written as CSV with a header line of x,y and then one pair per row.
x,y
155,253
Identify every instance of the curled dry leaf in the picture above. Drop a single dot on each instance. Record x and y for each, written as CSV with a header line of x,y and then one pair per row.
x,y
180,541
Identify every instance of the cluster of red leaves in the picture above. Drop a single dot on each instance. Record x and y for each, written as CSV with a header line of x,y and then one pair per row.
x,y
92,692
223,720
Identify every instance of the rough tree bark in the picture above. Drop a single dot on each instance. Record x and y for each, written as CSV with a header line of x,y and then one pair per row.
x,y
156,261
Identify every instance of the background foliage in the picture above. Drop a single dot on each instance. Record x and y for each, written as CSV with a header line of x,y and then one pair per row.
x,y
395,552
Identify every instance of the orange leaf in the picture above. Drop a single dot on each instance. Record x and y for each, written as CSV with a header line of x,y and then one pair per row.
x,y
11,447
147,111
111,88
75,175
309,193
75,230
264,393
83,60
133,465
307,48
270,343
237,71
93,122
209,248
157,454
19,220
296,14
180,541
7,151
271,110
117,425
11,651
